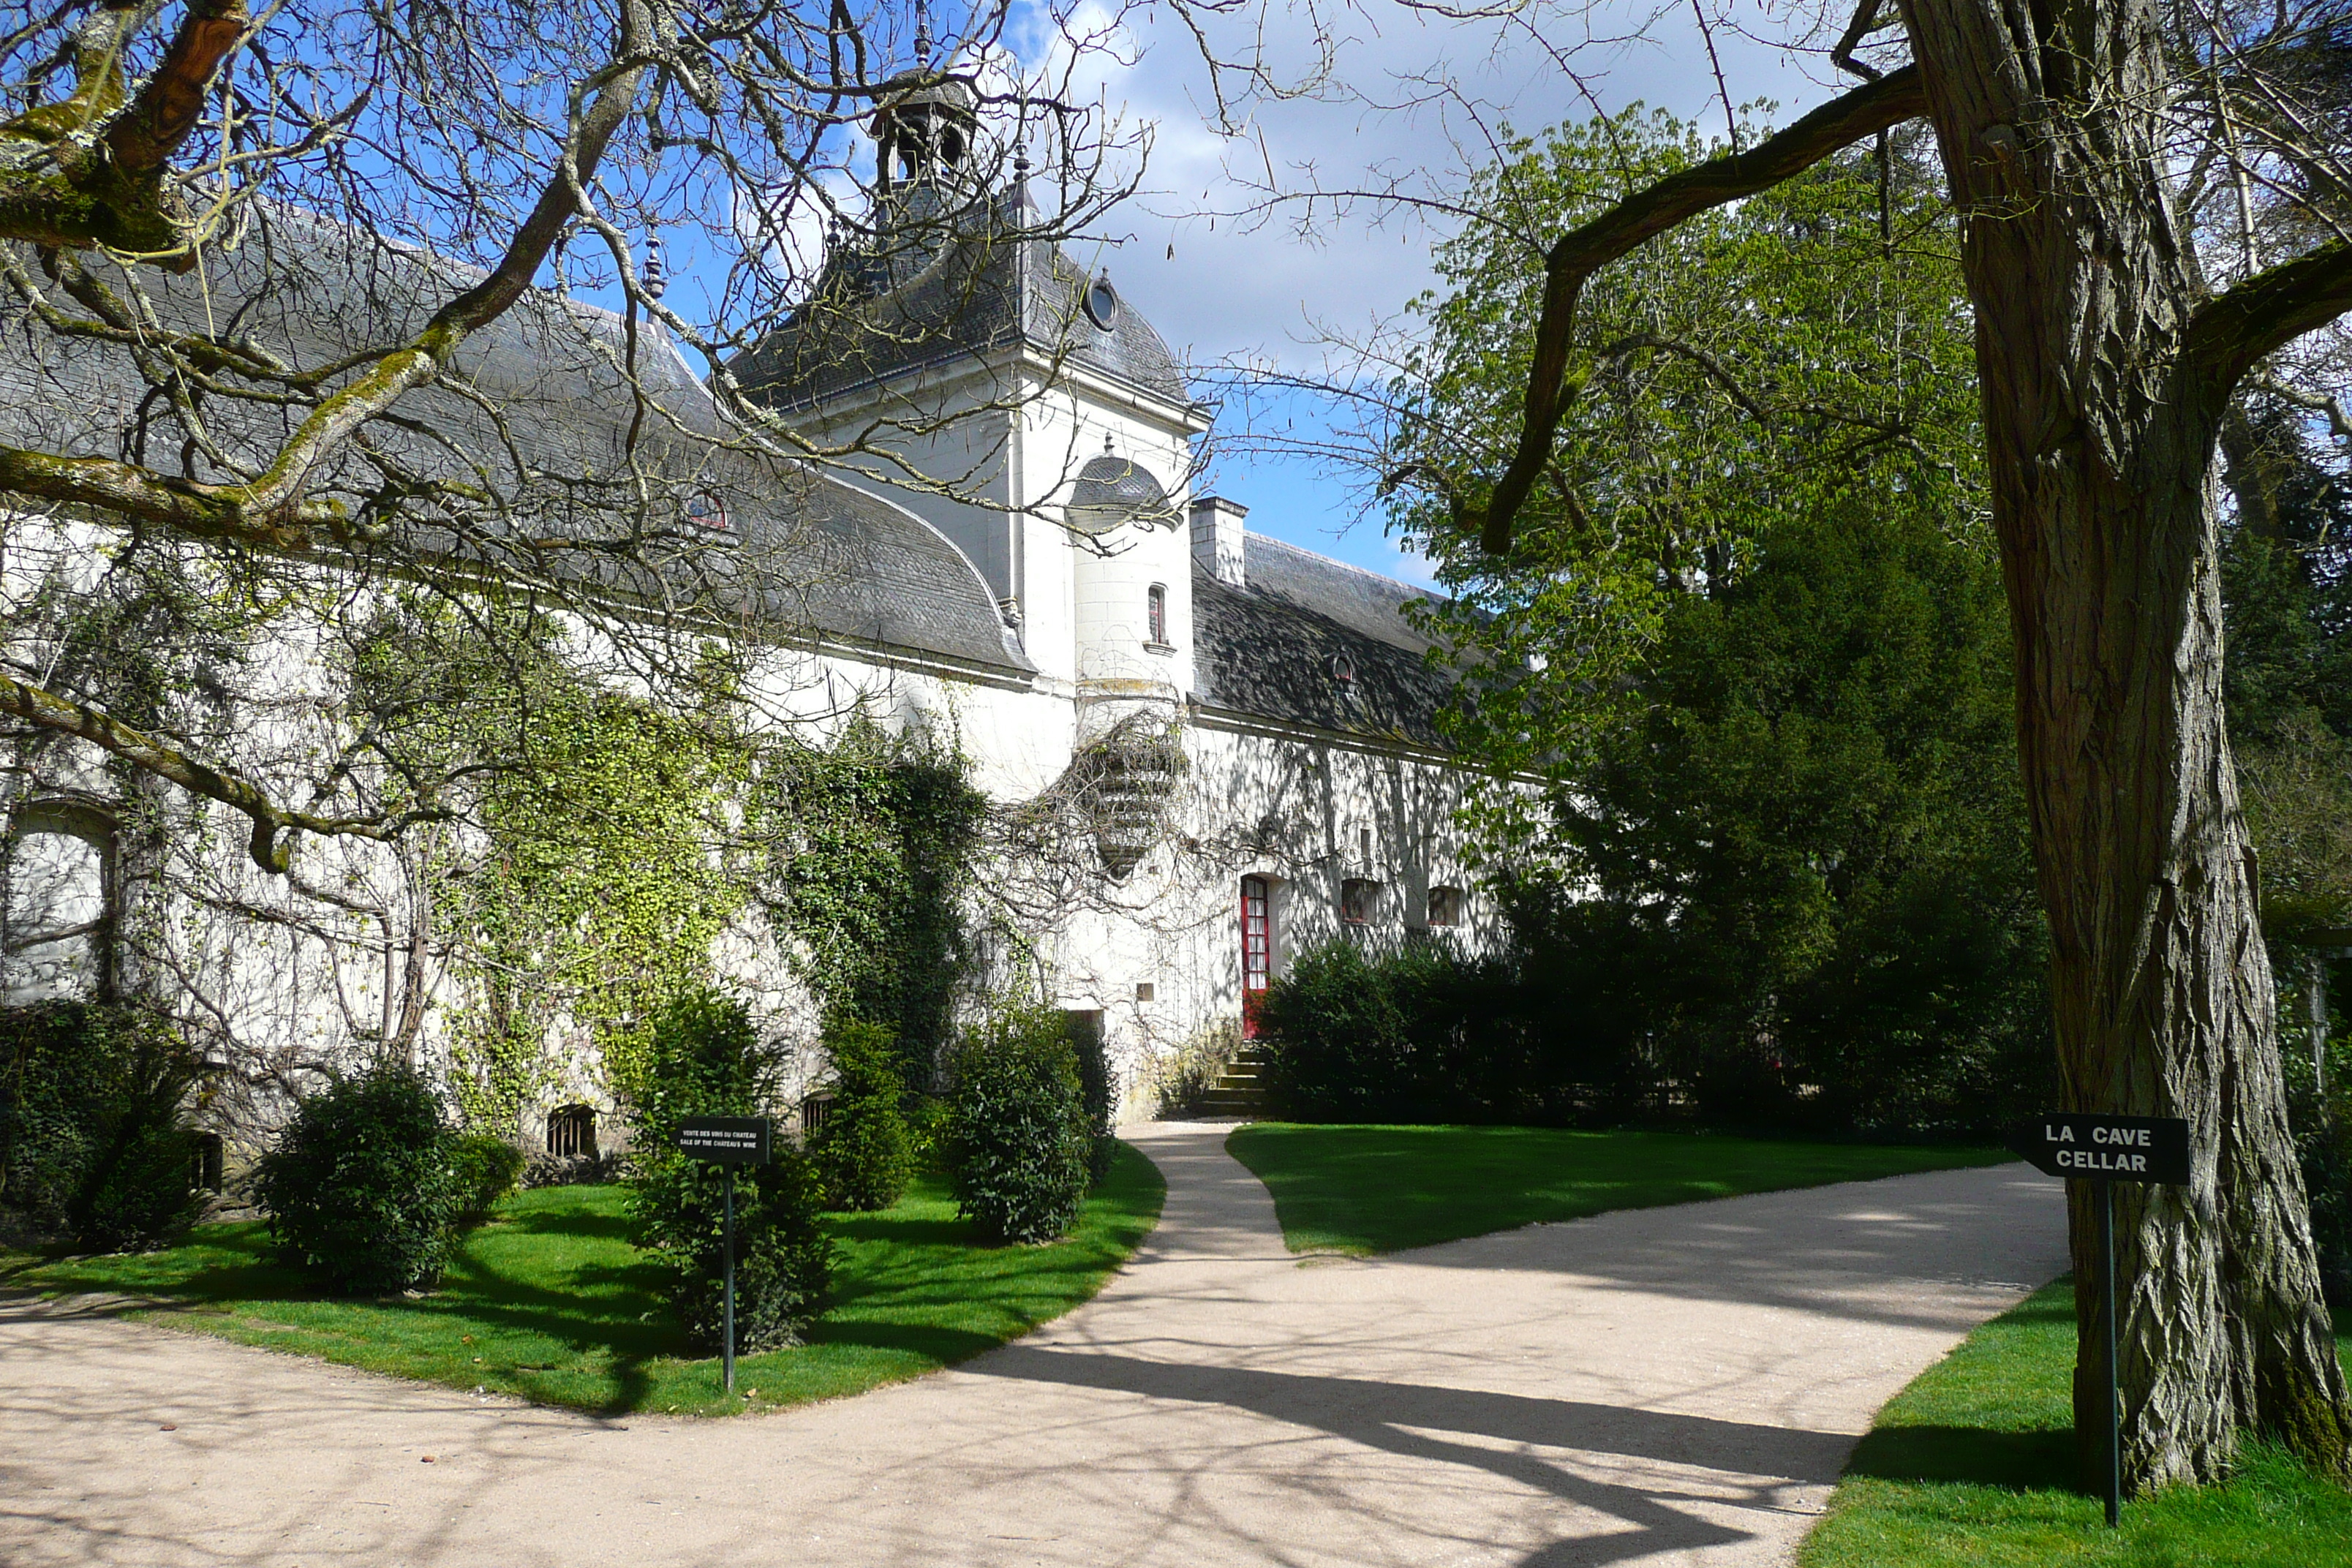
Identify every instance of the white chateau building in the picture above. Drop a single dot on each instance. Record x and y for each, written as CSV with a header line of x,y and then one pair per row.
x,y
1236,733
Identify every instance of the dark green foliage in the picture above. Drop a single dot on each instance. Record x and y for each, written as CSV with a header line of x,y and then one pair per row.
x,y
1413,1033
1021,1139
705,1058
483,1168
361,1192
1812,840
94,1140
862,1156
1809,902
872,848
2321,1116
1098,1091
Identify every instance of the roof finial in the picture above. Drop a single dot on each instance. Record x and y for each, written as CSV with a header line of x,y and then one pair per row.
x,y
1105,443
922,33
655,277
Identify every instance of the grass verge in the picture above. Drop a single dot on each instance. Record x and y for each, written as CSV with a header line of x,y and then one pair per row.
x,y
1377,1189
1974,1463
549,1302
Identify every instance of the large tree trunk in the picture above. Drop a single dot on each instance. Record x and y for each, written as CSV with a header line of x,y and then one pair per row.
x,y
2102,498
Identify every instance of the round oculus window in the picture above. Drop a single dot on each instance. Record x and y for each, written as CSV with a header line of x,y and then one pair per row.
x,y
1102,304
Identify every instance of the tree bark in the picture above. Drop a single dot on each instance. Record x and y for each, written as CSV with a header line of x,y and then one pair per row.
x,y
2101,461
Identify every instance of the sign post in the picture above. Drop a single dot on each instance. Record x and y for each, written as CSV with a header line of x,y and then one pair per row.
x,y
727,1142
2105,1150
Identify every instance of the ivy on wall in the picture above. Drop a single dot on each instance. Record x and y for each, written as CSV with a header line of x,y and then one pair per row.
x,y
870,847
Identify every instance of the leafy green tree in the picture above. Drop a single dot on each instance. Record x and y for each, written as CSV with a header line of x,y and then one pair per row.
x,y
1845,367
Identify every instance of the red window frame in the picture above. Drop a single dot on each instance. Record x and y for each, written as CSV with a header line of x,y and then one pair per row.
x,y
1257,949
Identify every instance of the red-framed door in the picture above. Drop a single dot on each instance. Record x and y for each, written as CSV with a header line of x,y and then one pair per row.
x,y
1257,950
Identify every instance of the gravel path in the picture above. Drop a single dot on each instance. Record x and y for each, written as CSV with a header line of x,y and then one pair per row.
x,y
1675,1385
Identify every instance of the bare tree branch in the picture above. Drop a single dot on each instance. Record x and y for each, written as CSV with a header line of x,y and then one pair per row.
x,y
2230,335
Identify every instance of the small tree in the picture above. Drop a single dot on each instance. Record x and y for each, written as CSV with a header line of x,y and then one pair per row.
x,y
861,1153
1020,1134
705,1058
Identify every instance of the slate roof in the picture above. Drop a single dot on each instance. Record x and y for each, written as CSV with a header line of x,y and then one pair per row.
x,y
930,284
1273,648
798,551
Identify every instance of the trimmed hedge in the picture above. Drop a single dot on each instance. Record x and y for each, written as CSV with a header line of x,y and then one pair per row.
x,y
1020,1137
361,1192
707,1059
94,1139
862,1155
483,1168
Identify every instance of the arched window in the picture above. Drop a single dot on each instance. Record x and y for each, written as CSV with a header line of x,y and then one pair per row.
x,y
54,920
1155,614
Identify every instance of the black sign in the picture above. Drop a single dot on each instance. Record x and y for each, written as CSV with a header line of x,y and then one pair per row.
x,y
2106,1148
725,1139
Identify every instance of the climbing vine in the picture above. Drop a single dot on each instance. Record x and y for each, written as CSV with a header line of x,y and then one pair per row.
x,y
870,847
598,868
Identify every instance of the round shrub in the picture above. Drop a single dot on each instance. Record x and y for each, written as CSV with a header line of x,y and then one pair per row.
x,y
483,1168
705,1058
1020,1135
861,1153
94,1140
359,1189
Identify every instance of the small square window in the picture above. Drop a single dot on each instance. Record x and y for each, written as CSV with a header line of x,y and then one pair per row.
x,y
1444,906
1143,991
1359,897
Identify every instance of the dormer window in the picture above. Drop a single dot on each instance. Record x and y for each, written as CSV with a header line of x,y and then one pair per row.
x,y
1155,615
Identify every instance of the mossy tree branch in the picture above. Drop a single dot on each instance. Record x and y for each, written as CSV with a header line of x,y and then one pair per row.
x,y
272,852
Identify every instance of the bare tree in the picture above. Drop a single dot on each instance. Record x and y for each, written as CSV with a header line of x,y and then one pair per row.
x,y
2153,197
331,296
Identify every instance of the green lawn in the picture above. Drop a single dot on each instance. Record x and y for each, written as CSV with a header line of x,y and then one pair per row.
x,y
549,1302
1377,1189
1974,1463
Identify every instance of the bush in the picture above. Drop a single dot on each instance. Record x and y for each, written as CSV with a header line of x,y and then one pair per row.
x,y
1021,1138
861,1154
94,1140
360,1191
706,1059
483,1168
1098,1092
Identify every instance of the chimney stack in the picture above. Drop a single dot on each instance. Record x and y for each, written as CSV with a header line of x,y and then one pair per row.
x,y
1217,537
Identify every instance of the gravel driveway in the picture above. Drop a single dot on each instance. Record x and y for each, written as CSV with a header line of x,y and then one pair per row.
x,y
1676,1385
